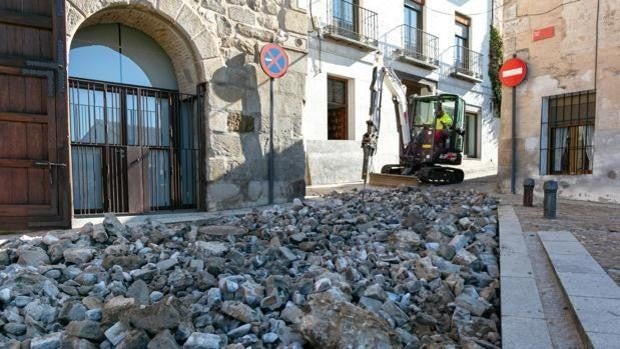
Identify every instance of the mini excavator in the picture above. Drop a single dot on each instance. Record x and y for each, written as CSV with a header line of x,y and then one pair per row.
x,y
421,152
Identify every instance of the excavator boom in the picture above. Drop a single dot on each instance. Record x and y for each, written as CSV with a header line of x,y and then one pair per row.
x,y
380,75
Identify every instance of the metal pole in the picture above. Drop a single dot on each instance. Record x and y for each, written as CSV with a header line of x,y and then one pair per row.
x,y
513,176
271,151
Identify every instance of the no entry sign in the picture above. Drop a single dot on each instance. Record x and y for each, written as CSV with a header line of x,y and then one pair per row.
x,y
274,60
512,72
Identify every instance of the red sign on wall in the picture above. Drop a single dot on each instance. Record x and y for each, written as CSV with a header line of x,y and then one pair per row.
x,y
543,33
512,72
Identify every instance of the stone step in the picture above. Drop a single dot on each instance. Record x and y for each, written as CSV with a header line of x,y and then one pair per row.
x,y
594,297
523,319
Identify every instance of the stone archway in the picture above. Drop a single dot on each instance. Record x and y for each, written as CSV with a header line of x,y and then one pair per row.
x,y
173,24
177,27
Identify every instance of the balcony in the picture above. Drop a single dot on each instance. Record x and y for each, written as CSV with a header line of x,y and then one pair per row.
x,y
352,24
418,47
467,64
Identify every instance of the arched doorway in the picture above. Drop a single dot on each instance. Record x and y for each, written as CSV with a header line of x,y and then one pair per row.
x,y
134,141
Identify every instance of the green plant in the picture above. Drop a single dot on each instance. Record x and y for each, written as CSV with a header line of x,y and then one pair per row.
x,y
495,62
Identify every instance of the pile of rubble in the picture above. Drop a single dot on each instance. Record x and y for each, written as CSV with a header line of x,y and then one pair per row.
x,y
404,268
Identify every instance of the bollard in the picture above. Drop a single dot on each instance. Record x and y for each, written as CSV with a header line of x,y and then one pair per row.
x,y
528,192
550,201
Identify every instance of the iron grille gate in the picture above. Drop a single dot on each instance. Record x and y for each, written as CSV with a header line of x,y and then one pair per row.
x,y
133,149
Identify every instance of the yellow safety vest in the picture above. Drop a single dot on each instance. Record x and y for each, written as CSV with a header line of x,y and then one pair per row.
x,y
446,119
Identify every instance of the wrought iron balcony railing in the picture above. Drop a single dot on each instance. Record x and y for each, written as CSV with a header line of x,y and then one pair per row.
x,y
419,45
347,20
467,63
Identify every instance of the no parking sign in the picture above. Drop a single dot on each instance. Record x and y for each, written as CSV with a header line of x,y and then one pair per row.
x,y
274,60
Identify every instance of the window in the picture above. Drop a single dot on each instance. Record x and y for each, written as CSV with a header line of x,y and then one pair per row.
x,y
461,42
134,139
568,130
116,53
345,16
413,27
337,111
471,135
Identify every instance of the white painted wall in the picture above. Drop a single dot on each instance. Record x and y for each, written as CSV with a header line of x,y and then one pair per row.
x,y
328,57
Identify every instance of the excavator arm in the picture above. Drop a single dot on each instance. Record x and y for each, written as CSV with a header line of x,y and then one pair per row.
x,y
380,75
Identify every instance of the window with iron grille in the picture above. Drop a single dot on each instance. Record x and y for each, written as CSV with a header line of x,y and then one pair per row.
x,y
567,133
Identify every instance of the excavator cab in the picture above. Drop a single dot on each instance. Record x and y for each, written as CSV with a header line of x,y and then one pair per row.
x,y
427,146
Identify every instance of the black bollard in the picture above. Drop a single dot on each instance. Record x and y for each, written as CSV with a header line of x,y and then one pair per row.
x,y
551,193
528,192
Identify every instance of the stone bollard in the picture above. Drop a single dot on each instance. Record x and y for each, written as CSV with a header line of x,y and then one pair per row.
x,y
550,201
528,192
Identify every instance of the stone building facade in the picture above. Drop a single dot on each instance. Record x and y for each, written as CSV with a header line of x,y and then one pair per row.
x,y
217,43
567,126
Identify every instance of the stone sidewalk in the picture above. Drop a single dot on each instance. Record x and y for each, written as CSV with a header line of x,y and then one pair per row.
x,y
595,225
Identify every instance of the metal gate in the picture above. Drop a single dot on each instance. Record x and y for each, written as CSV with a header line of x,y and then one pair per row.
x,y
133,149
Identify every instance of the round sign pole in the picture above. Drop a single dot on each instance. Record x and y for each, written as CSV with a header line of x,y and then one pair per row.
x,y
511,74
274,62
271,168
513,172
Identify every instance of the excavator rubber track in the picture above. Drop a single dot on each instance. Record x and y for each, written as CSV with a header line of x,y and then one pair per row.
x,y
439,175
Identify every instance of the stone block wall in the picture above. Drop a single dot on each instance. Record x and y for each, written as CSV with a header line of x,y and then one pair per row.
x,y
582,55
217,42
238,106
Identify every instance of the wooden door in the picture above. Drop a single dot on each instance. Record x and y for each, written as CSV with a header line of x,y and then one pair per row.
x,y
34,147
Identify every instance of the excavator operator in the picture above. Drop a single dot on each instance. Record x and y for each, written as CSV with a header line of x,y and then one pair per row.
x,y
443,123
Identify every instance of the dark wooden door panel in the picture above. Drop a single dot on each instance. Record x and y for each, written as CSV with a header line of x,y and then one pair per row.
x,y
34,7
33,117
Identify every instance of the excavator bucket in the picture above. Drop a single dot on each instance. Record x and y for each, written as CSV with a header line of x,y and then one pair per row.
x,y
392,180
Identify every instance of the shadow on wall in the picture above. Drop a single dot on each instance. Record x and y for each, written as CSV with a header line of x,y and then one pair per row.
x,y
238,142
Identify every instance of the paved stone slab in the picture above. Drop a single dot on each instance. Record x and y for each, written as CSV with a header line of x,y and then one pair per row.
x,y
605,341
515,264
520,297
589,285
597,315
563,263
565,247
524,333
521,306
557,236
512,244
594,297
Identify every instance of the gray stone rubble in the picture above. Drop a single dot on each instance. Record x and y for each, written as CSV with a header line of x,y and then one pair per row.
x,y
404,268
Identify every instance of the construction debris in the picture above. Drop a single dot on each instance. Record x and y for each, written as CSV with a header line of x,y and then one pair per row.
x,y
403,268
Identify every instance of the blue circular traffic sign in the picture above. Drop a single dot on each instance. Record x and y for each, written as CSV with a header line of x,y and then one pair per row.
x,y
274,60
